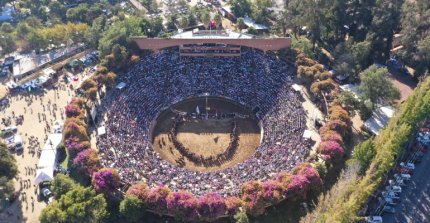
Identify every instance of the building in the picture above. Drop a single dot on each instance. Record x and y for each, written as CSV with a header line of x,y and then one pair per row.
x,y
213,42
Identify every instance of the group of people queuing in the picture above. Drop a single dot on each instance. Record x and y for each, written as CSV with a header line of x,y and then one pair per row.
x,y
254,79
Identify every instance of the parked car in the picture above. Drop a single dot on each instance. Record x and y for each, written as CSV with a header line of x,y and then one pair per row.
x,y
46,192
8,130
389,209
374,219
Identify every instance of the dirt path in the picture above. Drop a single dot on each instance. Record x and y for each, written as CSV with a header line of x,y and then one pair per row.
x,y
39,109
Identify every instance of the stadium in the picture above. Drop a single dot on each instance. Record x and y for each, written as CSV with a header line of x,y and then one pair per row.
x,y
205,117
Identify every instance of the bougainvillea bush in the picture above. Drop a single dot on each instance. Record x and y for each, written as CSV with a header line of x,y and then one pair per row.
x,y
74,146
272,192
72,110
106,180
252,196
255,196
182,205
211,206
157,198
88,161
332,150
330,135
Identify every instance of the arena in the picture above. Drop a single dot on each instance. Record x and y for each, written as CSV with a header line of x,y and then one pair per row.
x,y
136,121
208,133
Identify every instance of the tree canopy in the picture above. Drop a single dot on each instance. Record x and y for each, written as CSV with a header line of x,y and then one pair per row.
x,y
376,86
78,205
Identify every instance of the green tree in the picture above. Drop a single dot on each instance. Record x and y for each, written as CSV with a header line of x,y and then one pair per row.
x,y
6,27
61,185
57,10
94,33
37,41
218,19
7,43
205,18
120,33
8,166
240,23
132,208
364,154
240,8
261,10
241,217
376,86
78,205
184,22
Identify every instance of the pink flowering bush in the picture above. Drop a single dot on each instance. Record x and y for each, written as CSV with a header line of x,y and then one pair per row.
x,y
233,204
88,161
139,190
74,146
284,179
331,135
252,196
272,192
308,171
338,126
211,206
72,110
182,205
156,198
297,189
332,150
106,180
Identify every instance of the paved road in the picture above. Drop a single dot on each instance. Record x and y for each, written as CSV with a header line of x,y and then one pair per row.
x,y
414,206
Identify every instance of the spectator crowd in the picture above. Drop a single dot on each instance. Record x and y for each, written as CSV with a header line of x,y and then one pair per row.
x,y
161,79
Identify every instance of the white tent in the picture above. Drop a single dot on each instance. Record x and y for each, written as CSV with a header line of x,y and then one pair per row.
x,y
296,87
379,119
101,130
307,134
49,151
45,174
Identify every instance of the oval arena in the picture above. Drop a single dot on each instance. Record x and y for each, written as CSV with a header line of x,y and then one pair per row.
x,y
204,124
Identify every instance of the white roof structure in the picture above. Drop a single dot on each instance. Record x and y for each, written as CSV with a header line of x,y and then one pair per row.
x,y
296,87
45,174
379,119
121,85
211,34
351,88
48,156
251,23
307,134
101,130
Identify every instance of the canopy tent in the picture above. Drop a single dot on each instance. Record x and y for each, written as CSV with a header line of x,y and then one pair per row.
x,y
296,87
45,174
307,134
49,151
101,130
379,119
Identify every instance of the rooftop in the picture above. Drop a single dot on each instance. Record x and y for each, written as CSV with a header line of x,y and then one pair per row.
x,y
211,34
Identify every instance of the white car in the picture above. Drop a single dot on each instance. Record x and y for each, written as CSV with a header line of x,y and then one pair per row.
x,y
10,129
408,165
374,219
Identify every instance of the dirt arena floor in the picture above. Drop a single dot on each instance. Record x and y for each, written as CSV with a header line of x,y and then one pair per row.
x,y
207,137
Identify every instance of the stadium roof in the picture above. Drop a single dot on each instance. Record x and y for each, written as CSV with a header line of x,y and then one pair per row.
x,y
211,34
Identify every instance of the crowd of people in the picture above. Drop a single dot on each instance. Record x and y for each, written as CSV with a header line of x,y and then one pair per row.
x,y
254,79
